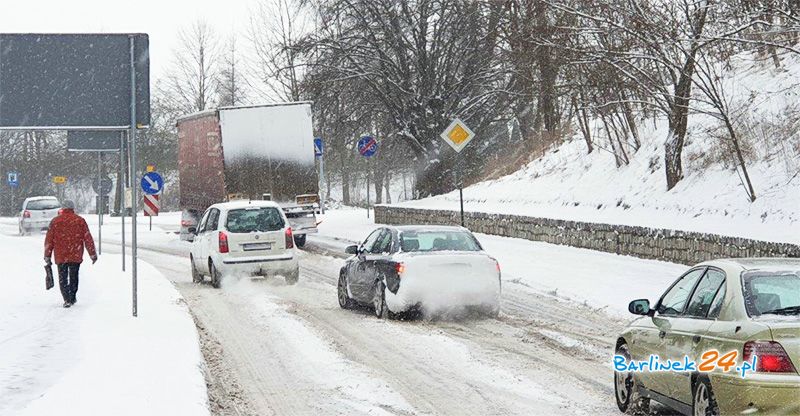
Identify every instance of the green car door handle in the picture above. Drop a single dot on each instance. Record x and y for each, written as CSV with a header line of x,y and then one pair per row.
x,y
696,339
662,334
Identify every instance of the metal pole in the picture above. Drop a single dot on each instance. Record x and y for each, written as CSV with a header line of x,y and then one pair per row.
x,y
133,164
100,203
367,188
460,188
322,183
122,182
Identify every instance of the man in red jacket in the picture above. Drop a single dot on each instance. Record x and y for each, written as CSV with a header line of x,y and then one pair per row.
x,y
67,237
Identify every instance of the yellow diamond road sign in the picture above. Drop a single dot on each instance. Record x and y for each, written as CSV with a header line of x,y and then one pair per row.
x,y
60,180
457,135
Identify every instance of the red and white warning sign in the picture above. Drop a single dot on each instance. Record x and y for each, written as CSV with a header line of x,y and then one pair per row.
x,y
151,205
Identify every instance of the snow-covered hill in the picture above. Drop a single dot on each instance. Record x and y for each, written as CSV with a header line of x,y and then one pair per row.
x,y
568,183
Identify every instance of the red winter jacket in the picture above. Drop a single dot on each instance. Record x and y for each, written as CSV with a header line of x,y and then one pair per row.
x,y
67,236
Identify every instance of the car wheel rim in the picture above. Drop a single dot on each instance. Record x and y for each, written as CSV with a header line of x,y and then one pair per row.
x,y
622,386
342,292
701,402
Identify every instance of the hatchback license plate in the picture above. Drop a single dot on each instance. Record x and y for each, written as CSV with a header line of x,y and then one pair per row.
x,y
257,246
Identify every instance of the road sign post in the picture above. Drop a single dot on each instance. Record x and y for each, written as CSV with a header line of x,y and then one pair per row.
x,y
367,147
319,153
458,135
133,165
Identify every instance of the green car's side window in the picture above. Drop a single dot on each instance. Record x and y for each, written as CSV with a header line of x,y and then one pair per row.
x,y
716,306
674,301
704,294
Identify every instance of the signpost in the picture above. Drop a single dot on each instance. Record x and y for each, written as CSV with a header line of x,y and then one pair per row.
x,y
13,179
367,147
458,135
152,186
319,152
46,86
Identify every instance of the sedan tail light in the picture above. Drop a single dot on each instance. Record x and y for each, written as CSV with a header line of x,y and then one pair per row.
x,y
223,243
289,238
186,223
26,214
400,268
772,358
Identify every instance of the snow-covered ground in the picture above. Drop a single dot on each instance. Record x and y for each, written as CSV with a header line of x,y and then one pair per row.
x,y
601,280
567,183
94,358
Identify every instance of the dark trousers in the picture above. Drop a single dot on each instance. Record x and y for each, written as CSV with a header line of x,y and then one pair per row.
x,y
68,280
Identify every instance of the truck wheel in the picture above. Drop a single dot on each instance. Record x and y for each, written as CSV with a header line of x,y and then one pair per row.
x,y
300,240
216,276
196,276
293,277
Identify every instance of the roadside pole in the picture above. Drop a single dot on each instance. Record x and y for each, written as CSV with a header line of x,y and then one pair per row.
x,y
367,188
100,204
122,183
367,147
457,135
322,183
133,164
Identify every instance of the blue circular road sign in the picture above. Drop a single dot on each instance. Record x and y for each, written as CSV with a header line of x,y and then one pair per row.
x,y
367,146
319,147
152,183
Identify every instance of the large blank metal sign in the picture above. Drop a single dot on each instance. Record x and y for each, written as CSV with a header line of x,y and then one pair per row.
x,y
66,81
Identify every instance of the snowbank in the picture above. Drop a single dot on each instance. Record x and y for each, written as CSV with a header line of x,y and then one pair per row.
x,y
94,358
569,184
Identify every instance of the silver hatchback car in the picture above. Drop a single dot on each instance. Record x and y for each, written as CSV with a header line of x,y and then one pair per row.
x,y
37,212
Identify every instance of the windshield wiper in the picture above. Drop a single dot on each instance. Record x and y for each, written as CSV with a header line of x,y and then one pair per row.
x,y
789,310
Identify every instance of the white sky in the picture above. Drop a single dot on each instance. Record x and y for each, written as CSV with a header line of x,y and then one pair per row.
x,y
161,19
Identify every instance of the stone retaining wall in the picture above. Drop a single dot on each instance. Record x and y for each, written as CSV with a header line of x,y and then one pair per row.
x,y
649,243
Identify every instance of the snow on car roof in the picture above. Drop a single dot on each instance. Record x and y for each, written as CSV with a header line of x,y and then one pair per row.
x,y
430,228
762,263
39,198
245,204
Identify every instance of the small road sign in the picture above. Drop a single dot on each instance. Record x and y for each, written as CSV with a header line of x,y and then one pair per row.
x,y
151,168
367,146
319,147
152,183
13,179
457,135
103,186
59,180
151,205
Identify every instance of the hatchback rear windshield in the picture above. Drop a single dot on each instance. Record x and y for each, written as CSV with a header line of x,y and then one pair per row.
x,y
254,220
438,241
772,293
43,204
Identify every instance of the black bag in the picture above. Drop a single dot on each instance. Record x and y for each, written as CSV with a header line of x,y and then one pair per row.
x,y
48,279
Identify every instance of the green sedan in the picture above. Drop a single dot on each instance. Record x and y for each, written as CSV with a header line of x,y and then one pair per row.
x,y
736,323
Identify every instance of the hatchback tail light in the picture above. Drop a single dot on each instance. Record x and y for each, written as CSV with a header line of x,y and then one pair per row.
x,y
289,238
223,243
186,223
26,214
772,358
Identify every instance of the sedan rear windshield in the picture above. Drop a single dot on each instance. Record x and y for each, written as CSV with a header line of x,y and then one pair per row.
x,y
438,241
254,220
43,204
772,293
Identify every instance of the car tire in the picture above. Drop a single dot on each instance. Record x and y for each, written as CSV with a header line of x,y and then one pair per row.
x,y
293,277
627,395
196,276
23,231
379,302
704,403
345,302
300,240
216,276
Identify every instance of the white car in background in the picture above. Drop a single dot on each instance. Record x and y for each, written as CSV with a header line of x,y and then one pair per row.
x,y
243,238
37,212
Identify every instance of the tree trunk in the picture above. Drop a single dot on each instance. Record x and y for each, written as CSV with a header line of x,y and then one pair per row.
x,y
751,193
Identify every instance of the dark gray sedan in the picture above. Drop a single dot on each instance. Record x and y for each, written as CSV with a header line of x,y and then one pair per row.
x,y
431,269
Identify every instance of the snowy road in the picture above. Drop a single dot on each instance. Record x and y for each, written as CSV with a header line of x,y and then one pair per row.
x,y
277,349
290,350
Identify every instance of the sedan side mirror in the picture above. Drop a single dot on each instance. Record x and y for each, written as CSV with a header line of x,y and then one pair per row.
x,y
351,249
639,307
193,230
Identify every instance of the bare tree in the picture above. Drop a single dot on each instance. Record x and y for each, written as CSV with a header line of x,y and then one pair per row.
x,y
231,80
190,83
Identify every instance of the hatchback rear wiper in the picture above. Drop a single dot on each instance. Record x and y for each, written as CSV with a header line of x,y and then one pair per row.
x,y
789,310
